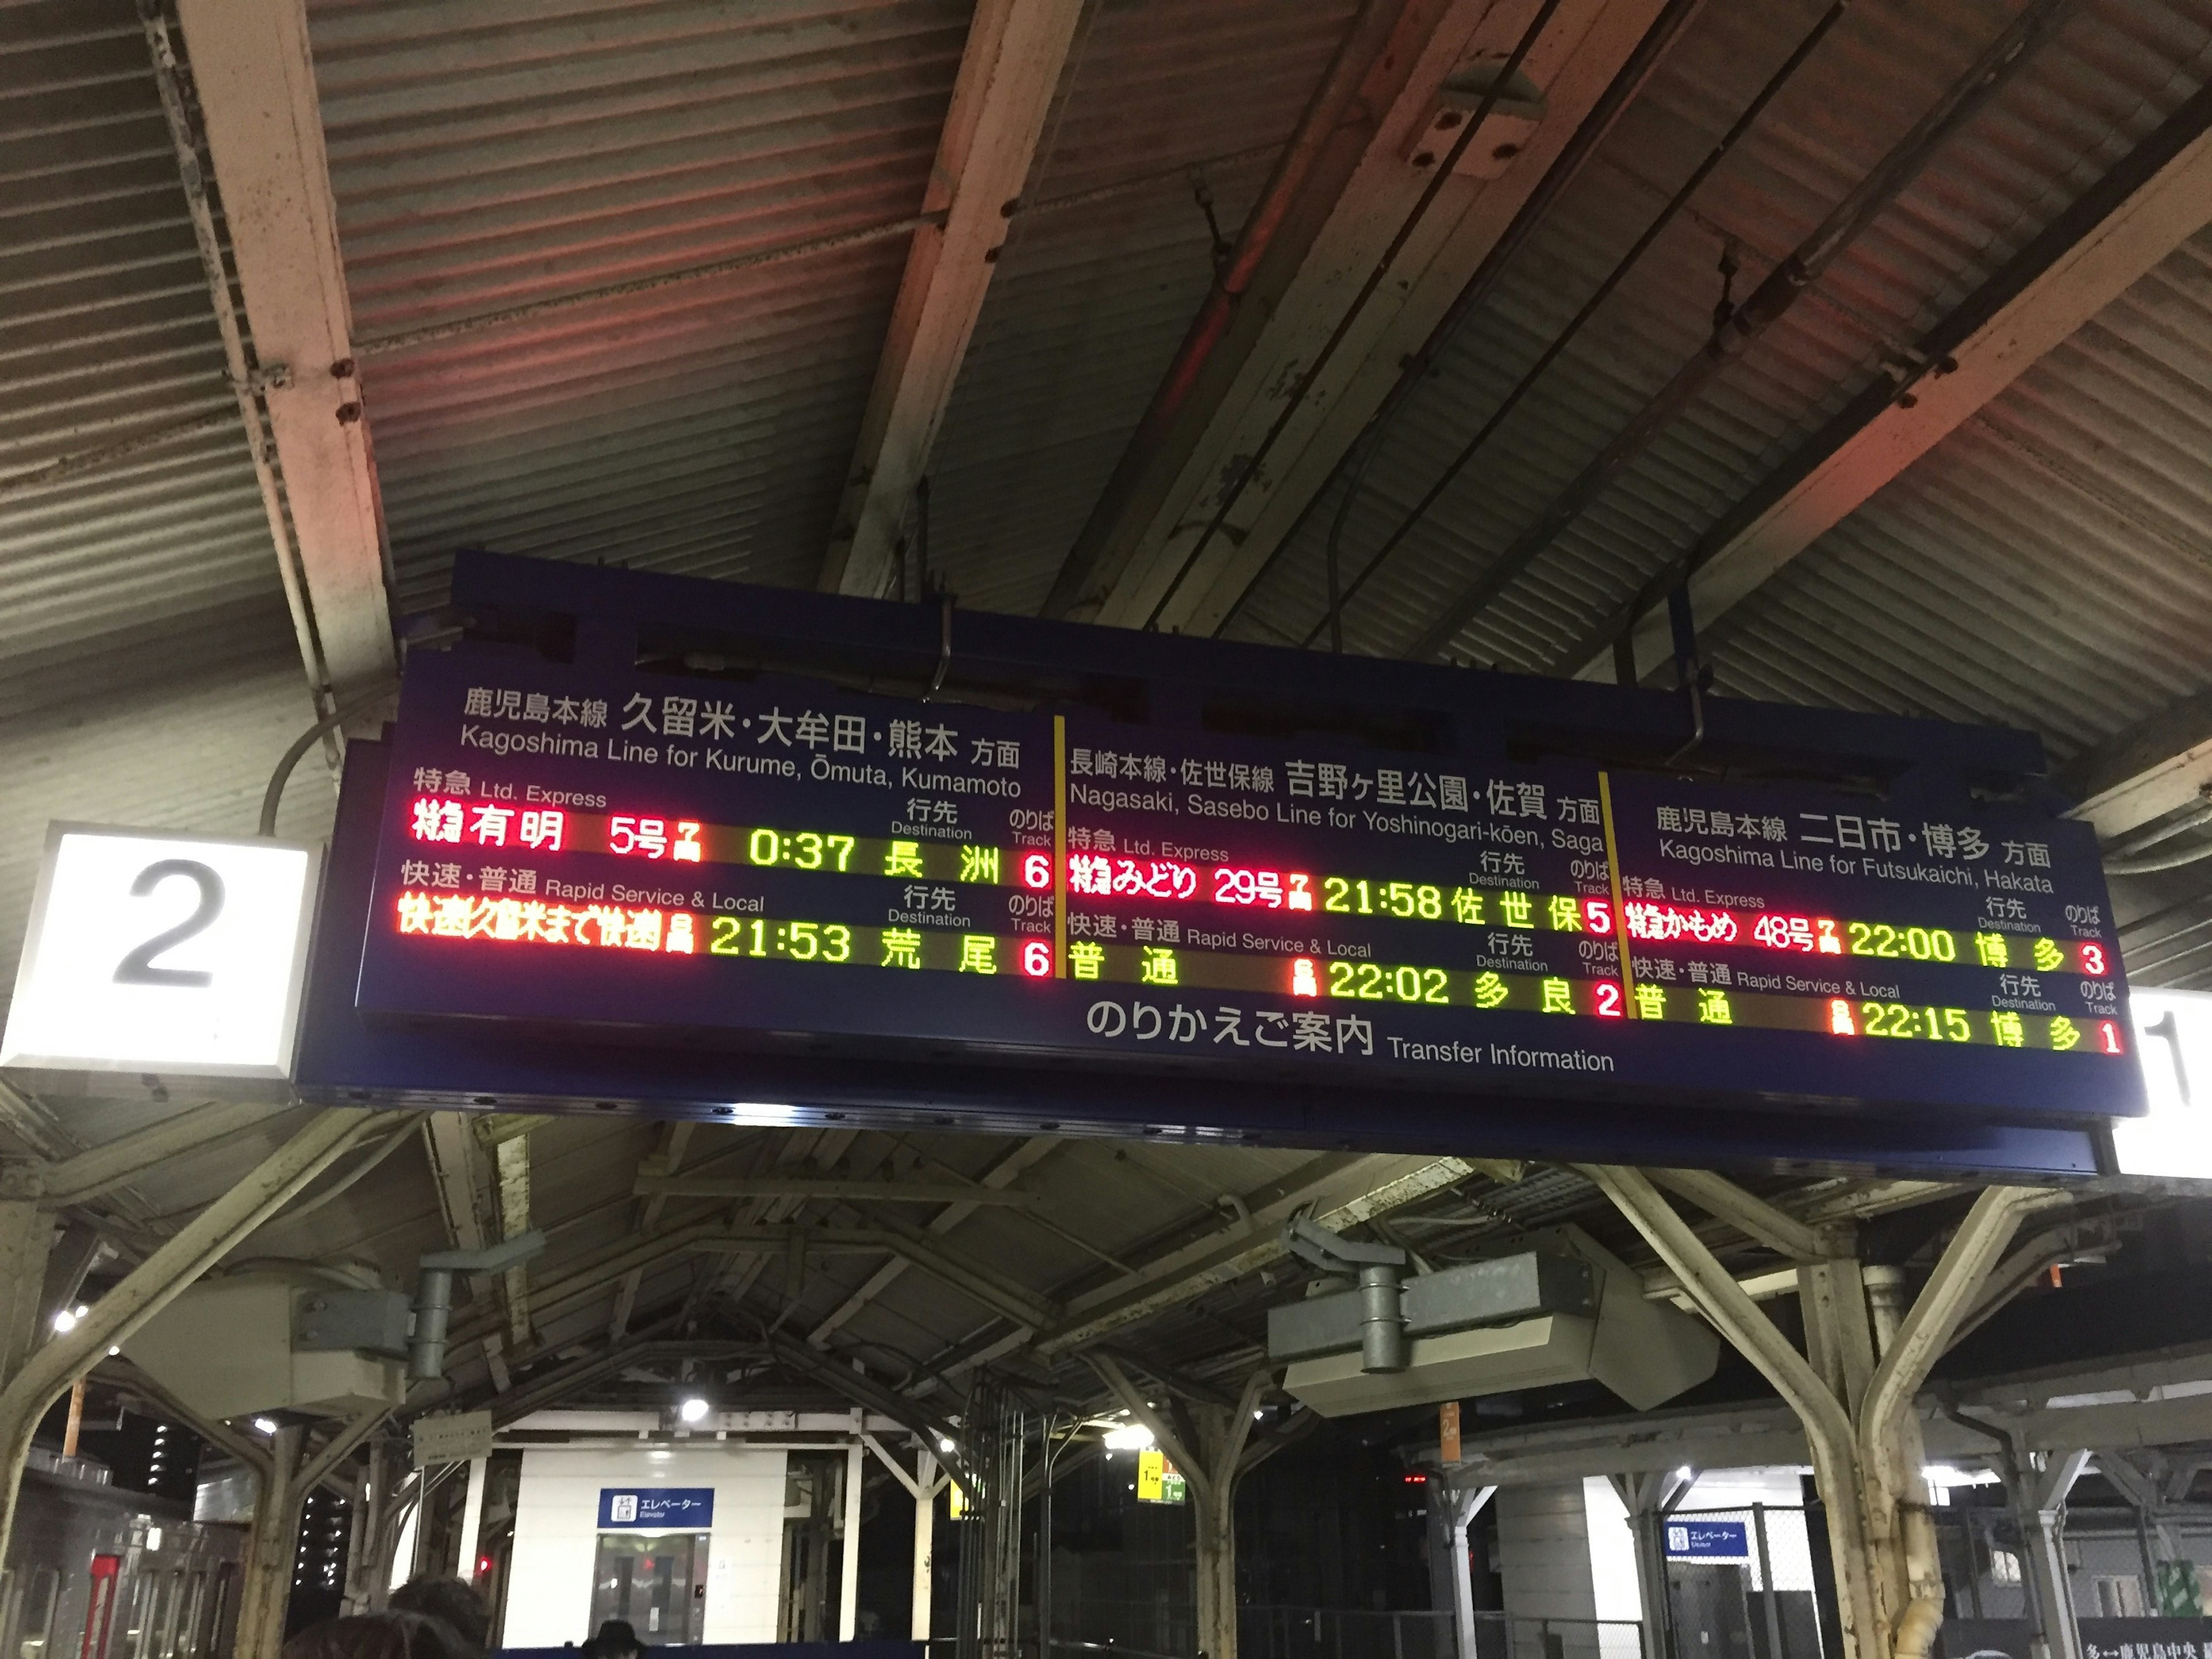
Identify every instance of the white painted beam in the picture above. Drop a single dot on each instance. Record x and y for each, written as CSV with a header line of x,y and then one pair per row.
x,y
1284,325
256,79
2154,768
1008,73
2171,205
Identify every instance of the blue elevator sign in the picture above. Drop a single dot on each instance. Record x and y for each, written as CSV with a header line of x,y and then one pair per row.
x,y
1708,1540
657,1509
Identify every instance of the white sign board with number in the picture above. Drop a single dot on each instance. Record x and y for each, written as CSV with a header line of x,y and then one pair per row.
x,y
2173,1041
157,951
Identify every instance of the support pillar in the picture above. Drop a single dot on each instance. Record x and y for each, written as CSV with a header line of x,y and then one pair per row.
x,y
924,1538
1649,1499
271,1543
46,1362
1465,1506
1211,1456
848,1559
472,1519
2038,1499
1866,1452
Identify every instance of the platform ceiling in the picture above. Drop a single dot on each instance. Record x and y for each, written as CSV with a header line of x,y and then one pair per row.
x,y
1158,296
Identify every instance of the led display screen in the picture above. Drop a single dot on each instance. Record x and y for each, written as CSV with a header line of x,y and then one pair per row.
x,y
773,863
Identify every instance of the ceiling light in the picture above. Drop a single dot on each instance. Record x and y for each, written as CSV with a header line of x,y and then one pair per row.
x,y
264,1426
944,1444
65,1319
1130,1436
693,1410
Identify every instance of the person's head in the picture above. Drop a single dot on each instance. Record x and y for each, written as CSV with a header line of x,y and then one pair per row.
x,y
374,1636
450,1599
616,1637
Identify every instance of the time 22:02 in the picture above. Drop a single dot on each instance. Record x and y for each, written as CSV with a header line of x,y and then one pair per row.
x,y
802,941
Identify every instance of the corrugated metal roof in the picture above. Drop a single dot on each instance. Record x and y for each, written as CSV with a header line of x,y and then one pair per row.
x,y
2046,565
107,335
1089,302
2106,79
183,753
489,156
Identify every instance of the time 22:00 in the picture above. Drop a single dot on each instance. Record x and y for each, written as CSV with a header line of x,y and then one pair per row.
x,y
1879,938
802,941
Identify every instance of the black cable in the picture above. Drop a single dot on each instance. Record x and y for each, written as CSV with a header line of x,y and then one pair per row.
x,y
1445,168
1604,291
1628,82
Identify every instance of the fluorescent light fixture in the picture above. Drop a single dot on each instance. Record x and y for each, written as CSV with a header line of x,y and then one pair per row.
x,y
693,1410
1130,1436
264,1426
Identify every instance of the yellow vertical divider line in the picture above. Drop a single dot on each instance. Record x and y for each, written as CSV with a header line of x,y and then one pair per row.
x,y
1619,911
1060,846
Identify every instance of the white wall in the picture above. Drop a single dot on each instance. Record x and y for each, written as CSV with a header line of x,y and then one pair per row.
x,y
1614,1587
1543,1552
548,1597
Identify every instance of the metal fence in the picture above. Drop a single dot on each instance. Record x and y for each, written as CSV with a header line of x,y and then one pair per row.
x,y
1353,1633
1739,1584
1343,1633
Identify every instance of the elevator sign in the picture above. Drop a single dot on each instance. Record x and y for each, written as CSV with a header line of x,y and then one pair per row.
x,y
656,1509
1708,1540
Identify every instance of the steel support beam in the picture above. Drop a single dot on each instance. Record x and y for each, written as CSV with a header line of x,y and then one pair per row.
x,y
101,1168
1281,407
1015,51
154,1283
1754,1217
858,1192
848,1542
1001,1174
1305,370
1344,1192
675,1140
1867,1452
986,1287
2148,205
1211,1458
255,77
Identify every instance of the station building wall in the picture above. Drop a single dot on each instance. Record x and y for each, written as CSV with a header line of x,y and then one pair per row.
x,y
548,1597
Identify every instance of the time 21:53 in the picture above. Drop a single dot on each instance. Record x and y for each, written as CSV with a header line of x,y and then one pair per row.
x,y
802,941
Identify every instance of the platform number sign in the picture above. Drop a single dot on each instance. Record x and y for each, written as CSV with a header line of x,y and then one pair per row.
x,y
158,952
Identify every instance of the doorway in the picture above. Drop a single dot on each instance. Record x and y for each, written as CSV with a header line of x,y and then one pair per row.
x,y
655,1582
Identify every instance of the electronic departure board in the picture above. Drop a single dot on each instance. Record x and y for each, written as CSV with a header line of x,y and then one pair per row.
x,y
771,864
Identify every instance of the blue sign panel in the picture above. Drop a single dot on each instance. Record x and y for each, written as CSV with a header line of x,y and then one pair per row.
x,y
1727,1541
657,1509
648,844
771,861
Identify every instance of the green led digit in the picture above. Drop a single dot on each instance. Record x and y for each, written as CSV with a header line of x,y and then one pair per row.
x,y
836,942
763,846
843,846
760,937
